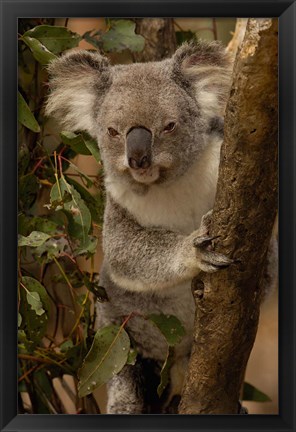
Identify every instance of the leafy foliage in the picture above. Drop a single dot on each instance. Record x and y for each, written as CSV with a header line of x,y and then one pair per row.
x,y
59,220
120,36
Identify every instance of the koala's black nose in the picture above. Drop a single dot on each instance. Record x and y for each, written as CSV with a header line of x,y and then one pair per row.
x,y
138,147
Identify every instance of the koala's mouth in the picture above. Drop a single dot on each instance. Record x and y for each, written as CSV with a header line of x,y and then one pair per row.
x,y
145,175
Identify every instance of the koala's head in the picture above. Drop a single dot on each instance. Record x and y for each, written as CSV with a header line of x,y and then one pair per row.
x,y
151,120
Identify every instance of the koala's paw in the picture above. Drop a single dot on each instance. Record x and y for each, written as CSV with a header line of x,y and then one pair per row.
x,y
209,261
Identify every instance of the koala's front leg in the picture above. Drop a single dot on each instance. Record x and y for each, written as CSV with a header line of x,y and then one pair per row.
x,y
142,258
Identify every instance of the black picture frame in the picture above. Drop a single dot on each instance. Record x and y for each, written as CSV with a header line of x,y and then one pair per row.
x,y
12,10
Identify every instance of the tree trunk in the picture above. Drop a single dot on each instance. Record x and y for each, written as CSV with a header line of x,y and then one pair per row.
x,y
160,38
228,302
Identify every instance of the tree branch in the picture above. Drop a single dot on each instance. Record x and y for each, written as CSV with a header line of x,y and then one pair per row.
x,y
244,212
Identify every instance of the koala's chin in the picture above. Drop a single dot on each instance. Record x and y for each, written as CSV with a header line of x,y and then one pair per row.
x,y
145,175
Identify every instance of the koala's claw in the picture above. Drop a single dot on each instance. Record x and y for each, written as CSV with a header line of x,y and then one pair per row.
x,y
213,261
203,241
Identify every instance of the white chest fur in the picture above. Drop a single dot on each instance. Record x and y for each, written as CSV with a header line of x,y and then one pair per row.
x,y
180,206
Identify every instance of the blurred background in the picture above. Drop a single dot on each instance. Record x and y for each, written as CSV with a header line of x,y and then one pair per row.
x,y
68,331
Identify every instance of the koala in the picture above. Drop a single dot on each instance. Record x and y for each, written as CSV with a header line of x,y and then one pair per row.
x,y
159,128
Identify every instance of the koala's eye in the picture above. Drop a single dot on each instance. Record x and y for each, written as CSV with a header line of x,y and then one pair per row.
x,y
112,132
170,127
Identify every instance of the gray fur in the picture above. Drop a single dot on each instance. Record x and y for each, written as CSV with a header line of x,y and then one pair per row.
x,y
154,238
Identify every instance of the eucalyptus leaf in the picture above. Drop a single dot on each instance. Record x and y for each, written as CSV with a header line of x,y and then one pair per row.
x,y
36,238
165,371
170,327
92,146
33,299
55,38
45,225
43,389
25,116
52,248
122,36
95,203
81,143
65,346
75,141
93,38
106,357
27,224
39,51
251,393
78,214
132,357
44,382
34,309
88,248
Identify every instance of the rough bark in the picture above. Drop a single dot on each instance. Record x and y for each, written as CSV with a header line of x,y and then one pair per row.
x,y
160,38
228,302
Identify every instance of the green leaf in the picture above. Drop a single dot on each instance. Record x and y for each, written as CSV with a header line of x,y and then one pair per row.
x,y
34,309
132,357
77,212
51,248
93,38
92,146
75,141
165,371
122,36
81,143
170,327
88,248
43,224
36,238
33,299
95,203
25,116
251,393
44,392
65,346
19,320
106,357
39,51
55,38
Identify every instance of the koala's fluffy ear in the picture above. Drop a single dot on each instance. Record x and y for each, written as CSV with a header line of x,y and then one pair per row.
x,y
77,81
205,67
